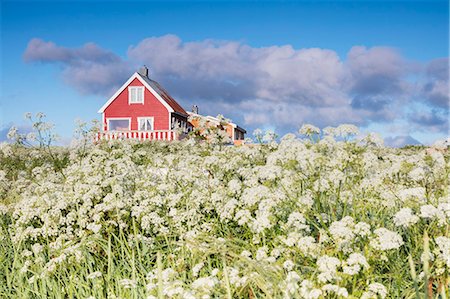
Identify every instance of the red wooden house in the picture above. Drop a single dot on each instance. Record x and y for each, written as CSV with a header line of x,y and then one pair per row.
x,y
142,109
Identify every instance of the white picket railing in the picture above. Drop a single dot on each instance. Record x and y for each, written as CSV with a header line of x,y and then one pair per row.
x,y
138,135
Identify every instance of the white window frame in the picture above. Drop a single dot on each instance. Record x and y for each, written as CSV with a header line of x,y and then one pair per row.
x,y
118,118
138,89
146,118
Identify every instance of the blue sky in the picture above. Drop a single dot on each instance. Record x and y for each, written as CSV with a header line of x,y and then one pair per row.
x,y
382,65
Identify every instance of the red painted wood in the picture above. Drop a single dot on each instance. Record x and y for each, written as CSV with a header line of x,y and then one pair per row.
x,y
151,107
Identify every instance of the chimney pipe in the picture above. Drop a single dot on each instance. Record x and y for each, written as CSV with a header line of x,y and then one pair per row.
x,y
143,71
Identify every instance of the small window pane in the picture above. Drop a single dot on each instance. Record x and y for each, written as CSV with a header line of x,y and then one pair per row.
x,y
119,124
146,124
140,95
132,95
136,94
149,124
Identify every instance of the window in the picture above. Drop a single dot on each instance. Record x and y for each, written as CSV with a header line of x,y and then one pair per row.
x,y
238,135
136,95
122,124
145,123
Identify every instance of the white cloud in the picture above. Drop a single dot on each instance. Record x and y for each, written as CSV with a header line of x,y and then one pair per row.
x,y
278,84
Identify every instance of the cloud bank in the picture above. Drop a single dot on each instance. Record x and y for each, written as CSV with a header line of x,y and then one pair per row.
x,y
89,69
277,85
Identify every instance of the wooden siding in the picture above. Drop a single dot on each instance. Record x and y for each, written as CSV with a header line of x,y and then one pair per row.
x,y
152,107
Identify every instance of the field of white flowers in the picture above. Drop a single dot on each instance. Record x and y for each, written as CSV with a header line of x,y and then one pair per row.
x,y
299,218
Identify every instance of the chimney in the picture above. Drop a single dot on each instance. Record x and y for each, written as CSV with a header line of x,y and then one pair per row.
x,y
143,71
195,109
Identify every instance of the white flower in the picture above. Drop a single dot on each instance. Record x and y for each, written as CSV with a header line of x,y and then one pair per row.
x,y
442,144
197,268
331,131
417,174
288,265
353,264
204,284
428,211
346,130
297,221
246,253
327,265
291,281
342,231
37,248
375,290
431,212
309,130
12,133
261,253
362,229
386,239
95,228
405,218
128,283
308,291
94,275
417,194
331,288
443,249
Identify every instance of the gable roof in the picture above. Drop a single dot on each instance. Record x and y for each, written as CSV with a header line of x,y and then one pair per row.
x,y
155,88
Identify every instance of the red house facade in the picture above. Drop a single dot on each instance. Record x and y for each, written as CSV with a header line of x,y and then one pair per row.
x,y
141,109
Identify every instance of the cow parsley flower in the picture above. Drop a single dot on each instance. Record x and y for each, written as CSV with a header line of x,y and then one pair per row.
x,y
327,266
346,130
308,291
416,194
417,174
246,254
428,211
332,288
353,264
95,228
128,283
342,231
362,229
291,281
12,133
297,221
375,290
405,218
261,253
288,265
196,269
309,130
94,275
386,239
443,249
204,284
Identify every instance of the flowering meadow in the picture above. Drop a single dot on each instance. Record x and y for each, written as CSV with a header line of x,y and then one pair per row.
x,y
308,216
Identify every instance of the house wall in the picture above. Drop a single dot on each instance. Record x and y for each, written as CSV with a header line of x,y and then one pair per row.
x,y
152,107
228,128
230,131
